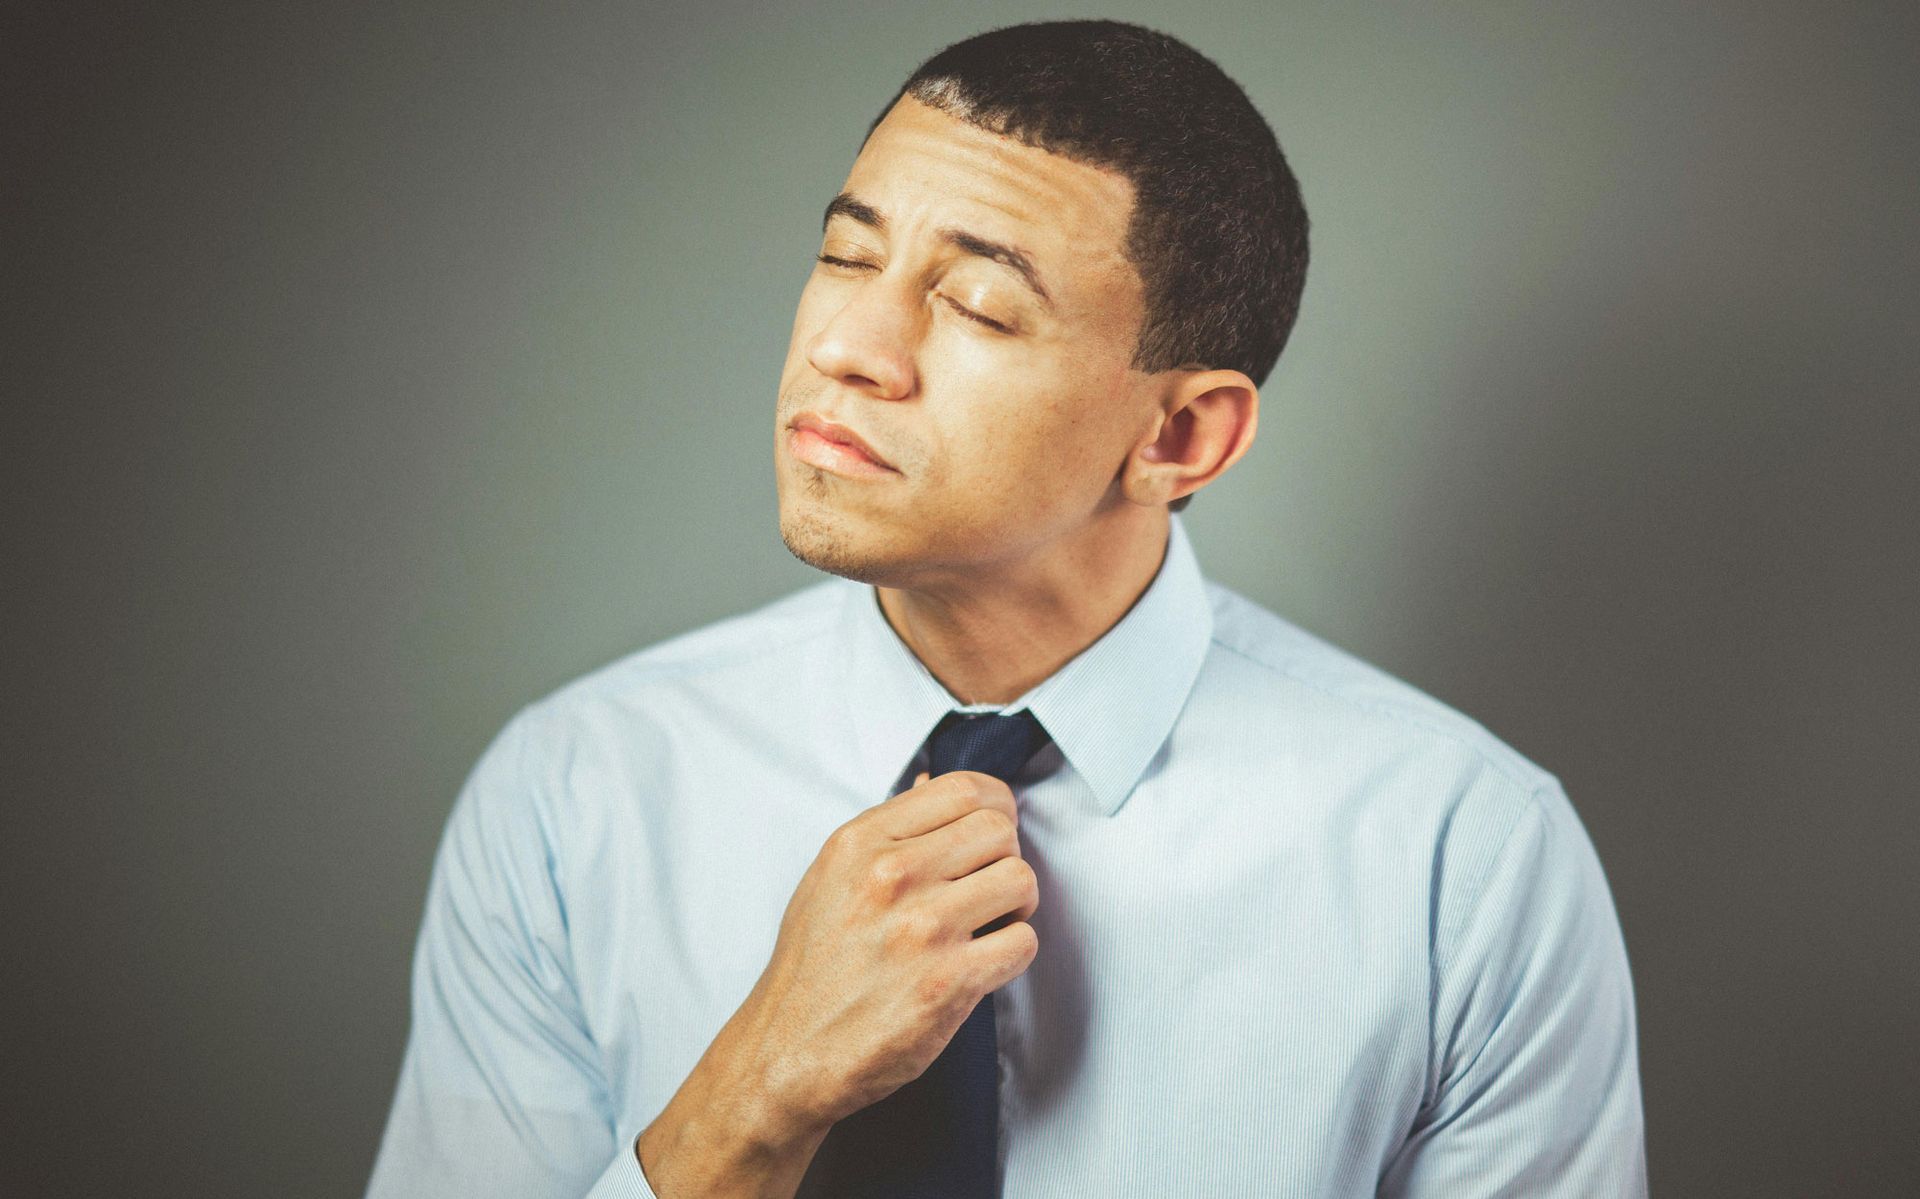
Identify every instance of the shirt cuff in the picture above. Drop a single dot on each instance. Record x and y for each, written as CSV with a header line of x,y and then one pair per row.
x,y
623,1178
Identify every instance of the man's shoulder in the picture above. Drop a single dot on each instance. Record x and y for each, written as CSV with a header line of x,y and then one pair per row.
x,y
1378,707
752,641
636,708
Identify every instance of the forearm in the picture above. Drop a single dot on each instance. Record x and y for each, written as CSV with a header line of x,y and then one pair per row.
x,y
725,1132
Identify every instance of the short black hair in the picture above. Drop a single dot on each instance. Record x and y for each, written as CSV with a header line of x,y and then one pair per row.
x,y
1218,230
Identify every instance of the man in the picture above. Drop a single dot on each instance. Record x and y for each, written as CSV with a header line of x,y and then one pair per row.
x,y
1019,859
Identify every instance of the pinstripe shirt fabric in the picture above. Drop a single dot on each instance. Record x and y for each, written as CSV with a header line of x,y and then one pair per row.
x,y
1304,930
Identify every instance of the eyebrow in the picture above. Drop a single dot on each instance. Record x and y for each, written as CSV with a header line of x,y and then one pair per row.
x,y
847,205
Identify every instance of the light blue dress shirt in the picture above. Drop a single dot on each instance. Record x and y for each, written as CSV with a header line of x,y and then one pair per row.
x,y
1304,930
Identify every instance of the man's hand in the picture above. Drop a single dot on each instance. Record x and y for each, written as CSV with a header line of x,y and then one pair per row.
x,y
875,968
877,963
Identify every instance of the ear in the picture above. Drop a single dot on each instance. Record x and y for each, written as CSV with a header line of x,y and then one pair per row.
x,y
1208,419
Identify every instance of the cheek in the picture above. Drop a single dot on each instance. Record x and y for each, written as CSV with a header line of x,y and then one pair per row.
x,y
1008,442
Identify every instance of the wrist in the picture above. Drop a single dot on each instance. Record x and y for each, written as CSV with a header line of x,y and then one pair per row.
x,y
731,1129
716,1138
772,1100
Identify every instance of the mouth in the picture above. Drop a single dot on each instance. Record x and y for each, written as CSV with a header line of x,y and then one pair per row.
x,y
820,442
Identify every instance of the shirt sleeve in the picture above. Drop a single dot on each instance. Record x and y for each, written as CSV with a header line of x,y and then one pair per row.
x,y
501,1089
1537,1089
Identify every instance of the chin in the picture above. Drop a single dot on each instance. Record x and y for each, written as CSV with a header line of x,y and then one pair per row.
x,y
828,541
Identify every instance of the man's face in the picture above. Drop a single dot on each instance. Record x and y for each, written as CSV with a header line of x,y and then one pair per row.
x,y
1005,439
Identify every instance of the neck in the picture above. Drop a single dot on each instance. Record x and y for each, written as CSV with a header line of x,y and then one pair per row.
x,y
990,639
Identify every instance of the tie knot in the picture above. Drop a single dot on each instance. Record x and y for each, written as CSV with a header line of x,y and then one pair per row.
x,y
991,742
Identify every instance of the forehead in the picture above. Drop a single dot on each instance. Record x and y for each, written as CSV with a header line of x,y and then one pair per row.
x,y
923,168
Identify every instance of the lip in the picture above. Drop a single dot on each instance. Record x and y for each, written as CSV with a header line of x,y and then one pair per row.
x,y
821,442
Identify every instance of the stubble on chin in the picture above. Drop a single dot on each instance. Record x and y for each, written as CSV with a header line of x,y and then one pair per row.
x,y
813,534
827,550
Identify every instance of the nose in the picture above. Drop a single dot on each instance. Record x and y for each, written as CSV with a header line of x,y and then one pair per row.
x,y
868,343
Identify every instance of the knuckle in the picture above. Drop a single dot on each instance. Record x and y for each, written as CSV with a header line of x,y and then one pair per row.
x,y
848,837
1025,943
886,875
999,825
1017,947
1029,881
981,785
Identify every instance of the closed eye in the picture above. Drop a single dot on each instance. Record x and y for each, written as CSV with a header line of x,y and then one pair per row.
x,y
830,260
970,314
962,309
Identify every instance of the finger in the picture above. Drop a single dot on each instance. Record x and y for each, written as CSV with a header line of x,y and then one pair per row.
x,y
940,801
999,957
1001,887
958,849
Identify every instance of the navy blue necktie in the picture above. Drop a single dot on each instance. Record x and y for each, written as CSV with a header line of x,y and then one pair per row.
x,y
936,1137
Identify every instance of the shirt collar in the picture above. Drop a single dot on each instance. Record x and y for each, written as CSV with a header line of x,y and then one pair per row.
x,y
1109,709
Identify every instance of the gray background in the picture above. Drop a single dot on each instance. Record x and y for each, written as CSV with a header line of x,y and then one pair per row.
x,y
370,371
